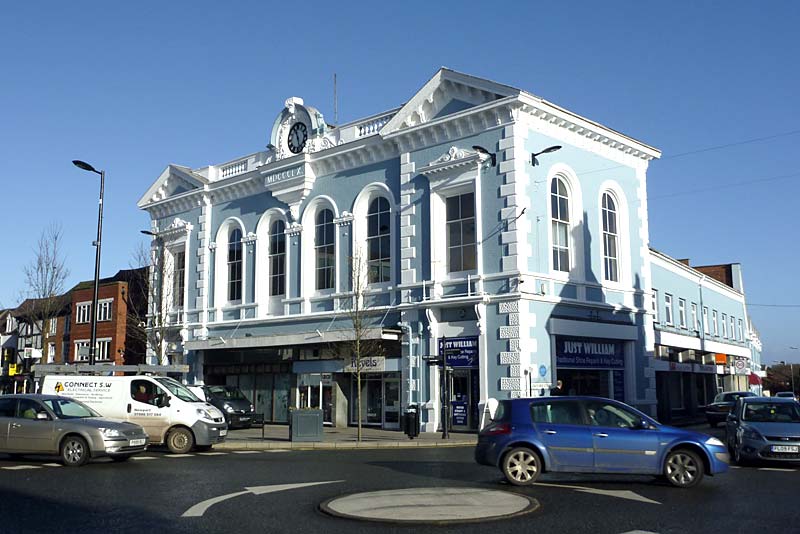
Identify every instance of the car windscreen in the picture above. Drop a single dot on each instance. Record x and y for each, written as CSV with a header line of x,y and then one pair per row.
x,y
177,389
227,393
772,412
69,409
731,397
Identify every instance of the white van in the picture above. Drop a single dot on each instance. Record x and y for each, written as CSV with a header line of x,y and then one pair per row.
x,y
168,411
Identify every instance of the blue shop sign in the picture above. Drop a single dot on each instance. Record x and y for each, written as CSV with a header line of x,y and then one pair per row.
x,y
589,353
460,351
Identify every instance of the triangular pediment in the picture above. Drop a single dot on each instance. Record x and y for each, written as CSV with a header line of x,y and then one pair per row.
x,y
175,180
447,93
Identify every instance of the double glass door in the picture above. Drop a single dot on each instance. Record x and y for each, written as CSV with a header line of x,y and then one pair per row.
x,y
380,400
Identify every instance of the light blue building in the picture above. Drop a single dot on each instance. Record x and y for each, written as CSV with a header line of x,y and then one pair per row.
x,y
518,269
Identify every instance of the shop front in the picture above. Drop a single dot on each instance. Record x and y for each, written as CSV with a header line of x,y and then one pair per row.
x,y
462,357
685,382
267,385
380,393
591,366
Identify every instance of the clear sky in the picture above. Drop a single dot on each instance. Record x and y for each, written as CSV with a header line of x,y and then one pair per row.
x,y
133,86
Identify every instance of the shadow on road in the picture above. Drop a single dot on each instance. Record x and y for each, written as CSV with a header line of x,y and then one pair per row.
x,y
461,471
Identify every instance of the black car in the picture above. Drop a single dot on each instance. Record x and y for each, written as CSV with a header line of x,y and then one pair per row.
x,y
717,412
230,401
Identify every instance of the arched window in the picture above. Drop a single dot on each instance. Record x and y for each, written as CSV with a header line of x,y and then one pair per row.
x,y
379,241
559,207
235,265
277,258
610,239
325,249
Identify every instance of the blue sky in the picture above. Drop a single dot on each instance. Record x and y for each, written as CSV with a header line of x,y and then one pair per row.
x,y
133,86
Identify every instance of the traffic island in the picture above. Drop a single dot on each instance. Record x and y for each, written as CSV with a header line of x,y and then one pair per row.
x,y
430,506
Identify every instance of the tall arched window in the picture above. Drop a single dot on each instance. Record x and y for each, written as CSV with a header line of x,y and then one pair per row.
x,y
559,207
379,241
610,238
277,258
325,250
235,265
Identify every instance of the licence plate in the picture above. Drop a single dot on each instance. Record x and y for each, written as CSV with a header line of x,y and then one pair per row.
x,y
137,442
244,419
785,448
223,432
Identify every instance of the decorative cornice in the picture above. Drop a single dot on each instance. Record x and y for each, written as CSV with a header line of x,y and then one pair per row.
x,y
454,158
177,228
294,229
345,219
249,239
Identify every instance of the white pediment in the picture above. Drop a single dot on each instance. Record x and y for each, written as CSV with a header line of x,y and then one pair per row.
x,y
175,180
447,92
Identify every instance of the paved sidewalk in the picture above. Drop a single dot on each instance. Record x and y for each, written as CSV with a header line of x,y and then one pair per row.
x,y
277,437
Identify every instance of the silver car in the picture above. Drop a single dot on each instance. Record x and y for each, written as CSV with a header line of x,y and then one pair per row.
x,y
48,424
764,428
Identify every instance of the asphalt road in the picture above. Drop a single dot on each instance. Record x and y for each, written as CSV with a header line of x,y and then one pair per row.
x,y
153,494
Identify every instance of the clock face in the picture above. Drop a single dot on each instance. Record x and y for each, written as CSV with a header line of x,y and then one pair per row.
x,y
298,135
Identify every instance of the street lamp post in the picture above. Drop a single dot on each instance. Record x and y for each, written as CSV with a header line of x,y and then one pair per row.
x,y
86,167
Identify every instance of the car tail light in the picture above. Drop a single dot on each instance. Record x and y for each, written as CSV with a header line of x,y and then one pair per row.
x,y
496,429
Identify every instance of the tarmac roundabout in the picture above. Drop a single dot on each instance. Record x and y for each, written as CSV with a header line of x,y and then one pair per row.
x,y
428,506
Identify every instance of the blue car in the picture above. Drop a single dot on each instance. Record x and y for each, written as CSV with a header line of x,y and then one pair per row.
x,y
593,435
764,428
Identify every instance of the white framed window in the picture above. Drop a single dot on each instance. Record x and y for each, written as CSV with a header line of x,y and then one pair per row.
x,y
104,309
705,319
80,344
83,312
277,258
695,326
235,265
732,326
461,243
668,308
379,241
178,278
741,332
724,325
682,312
714,320
101,351
610,239
655,305
560,224
325,250
51,352
51,329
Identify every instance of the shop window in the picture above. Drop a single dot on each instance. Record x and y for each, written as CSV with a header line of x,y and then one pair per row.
x,y
560,220
325,250
235,265
461,241
610,239
379,241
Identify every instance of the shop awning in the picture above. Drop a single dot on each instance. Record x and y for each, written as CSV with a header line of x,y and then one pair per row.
x,y
755,380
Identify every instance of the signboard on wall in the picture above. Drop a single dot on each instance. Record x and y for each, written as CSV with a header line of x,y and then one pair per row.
x,y
590,353
460,351
740,366
369,364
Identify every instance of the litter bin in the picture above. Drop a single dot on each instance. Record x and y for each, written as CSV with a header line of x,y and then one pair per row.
x,y
411,421
305,425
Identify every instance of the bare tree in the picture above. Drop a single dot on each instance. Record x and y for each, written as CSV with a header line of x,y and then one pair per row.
x,y
360,347
151,301
45,276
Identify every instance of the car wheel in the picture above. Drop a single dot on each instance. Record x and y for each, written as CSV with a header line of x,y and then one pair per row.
x,y
180,441
74,451
521,466
683,468
737,455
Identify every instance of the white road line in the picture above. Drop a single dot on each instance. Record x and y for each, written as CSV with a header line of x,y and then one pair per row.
x,y
276,450
52,465
776,469
212,453
144,458
178,456
246,452
20,467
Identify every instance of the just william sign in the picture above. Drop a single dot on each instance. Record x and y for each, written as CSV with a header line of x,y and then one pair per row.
x,y
589,353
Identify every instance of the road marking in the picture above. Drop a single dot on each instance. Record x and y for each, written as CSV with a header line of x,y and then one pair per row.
x,y
620,494
246,452
639,532
212,453
178,456
776,469
276,450
20,467
144,458
52,465
200,508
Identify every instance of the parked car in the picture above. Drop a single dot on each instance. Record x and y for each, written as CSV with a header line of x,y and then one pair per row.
x,y
764,428
237,409
717,412
527,437
786,395
49,425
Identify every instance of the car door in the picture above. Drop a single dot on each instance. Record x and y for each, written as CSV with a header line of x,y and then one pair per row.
x,y
561,427
732,424
7,409
621,443
29,433
145,408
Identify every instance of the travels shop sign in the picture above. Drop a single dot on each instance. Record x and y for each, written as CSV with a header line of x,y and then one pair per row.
x,y
591,353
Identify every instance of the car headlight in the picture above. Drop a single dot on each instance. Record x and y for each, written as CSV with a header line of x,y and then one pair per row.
x,y
110,432
252,408
714,442
752,433
228,408
204,414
